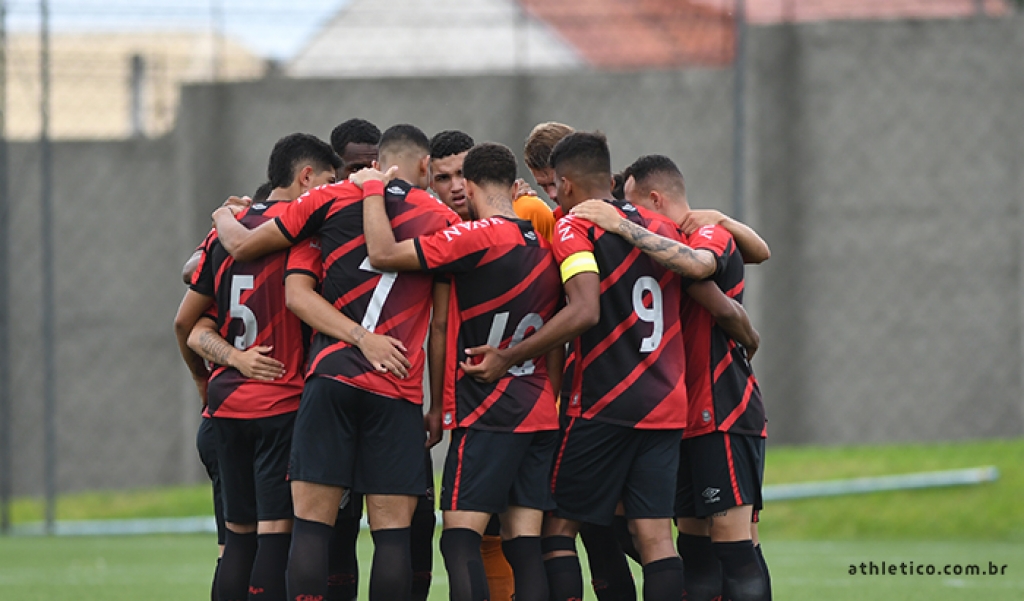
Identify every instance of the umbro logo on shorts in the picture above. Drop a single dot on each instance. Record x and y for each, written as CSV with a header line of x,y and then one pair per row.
x,y
710,495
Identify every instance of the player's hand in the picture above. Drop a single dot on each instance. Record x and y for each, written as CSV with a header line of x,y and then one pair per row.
x,y
369,173
695,220
254,363
385,354
752,348
523,189
600,213
237,204
432,424
490,365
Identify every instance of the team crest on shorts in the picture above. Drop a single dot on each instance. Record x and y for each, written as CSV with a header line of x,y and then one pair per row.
x,y
710,495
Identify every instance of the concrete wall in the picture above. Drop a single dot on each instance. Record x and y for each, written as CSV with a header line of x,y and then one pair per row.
x,y
883,164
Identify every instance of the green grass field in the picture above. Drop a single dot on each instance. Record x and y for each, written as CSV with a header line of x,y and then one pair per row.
x,y
810,544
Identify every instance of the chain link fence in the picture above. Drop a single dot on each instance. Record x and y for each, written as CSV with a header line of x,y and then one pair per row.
x,y
858,136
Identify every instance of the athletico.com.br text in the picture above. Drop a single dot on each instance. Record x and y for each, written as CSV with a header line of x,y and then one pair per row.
x,y
909,568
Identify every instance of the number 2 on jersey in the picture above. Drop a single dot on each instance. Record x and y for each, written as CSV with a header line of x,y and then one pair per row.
x,y
380,295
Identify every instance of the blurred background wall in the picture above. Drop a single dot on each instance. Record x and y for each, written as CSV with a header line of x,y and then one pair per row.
x,y
879,154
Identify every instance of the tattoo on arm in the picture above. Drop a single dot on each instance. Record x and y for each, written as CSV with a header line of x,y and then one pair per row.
x,y
214,348
674,255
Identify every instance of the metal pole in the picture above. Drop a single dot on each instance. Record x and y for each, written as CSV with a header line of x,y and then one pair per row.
x,y
46,216
739,112
5,371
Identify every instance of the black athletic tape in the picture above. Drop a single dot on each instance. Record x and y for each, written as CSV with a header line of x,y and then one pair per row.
x,y
557,543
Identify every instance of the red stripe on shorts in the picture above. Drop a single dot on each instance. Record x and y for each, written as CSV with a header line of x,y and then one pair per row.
x,y
732,470
561,451
458,473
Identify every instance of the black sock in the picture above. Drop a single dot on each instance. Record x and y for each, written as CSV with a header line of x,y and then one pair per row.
x,y
524,555
267,580
213,588
764,569
343,571
609,569
467,580
663,580
421,541
702,573
742,578
236,566
620,525
307,560
391,572
565,579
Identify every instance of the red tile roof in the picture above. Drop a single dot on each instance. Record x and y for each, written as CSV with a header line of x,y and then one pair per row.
x,y
624,34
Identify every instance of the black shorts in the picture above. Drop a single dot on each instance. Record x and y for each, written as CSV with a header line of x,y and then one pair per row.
x,y
599,464
351,438
718,471
252,455
206,444
352,502
490,471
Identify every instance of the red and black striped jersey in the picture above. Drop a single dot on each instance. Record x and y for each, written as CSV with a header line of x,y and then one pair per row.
x,y
724,394
629,367
392,304
505,286
251,311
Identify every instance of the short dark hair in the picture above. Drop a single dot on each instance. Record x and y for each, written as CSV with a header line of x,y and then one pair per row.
x,y
295,149
262,192
651,165
449,142
584,154
619,186
490,163
399,137
354,131
541,140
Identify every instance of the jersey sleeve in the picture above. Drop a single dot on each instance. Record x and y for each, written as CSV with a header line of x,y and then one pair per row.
x,y
305,258
573,247
451,251
534,209
203,278
716,239
306,215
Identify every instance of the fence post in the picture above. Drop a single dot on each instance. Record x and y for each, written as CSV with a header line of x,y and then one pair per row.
x,y
46,215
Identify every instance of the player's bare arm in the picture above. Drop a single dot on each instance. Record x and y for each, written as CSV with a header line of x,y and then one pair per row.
x,y
582,311
252,362
555,361
729,314
244,244
436,346
753,248
189,267
192,307
384,251
383,352
672,254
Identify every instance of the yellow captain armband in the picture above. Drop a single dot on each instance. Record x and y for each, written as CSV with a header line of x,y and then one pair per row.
x,y
577,263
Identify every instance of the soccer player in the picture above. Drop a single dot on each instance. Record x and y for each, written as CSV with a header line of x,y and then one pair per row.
x,y
505,285
542,139
628,400
722,453
363,409
355,141
253,396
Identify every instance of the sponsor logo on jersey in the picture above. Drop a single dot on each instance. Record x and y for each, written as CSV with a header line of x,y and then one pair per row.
x,y
397,190
530,236
466,226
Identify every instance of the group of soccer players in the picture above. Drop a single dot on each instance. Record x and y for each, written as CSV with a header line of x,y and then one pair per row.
x,y
591,364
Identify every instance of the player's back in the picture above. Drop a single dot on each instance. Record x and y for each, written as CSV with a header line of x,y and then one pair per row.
x,y
629,367
387,303
251,311
505,286
724,393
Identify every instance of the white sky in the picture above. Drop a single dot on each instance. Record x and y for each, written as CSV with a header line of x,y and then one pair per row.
x,y
272,28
